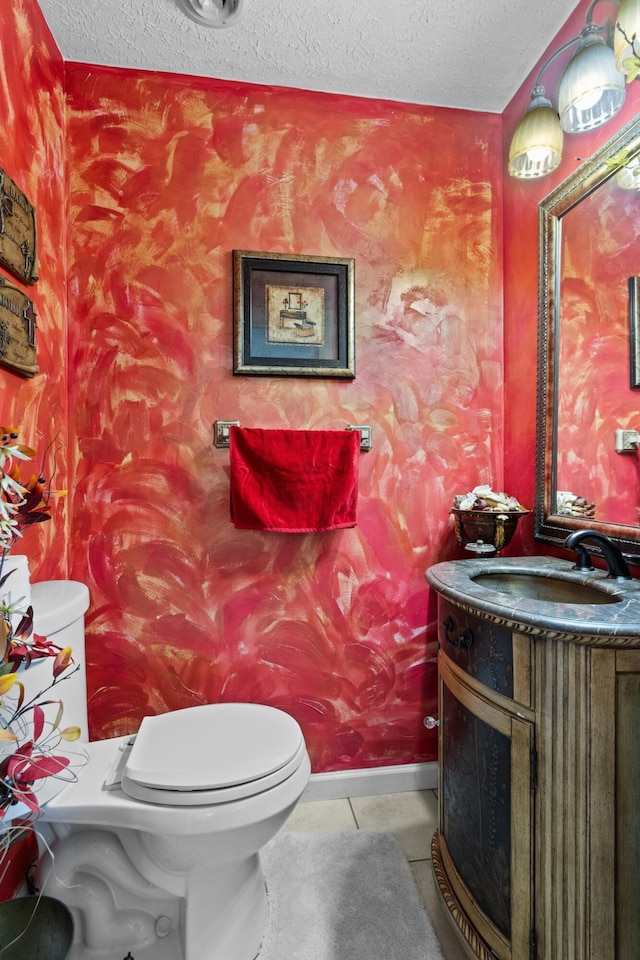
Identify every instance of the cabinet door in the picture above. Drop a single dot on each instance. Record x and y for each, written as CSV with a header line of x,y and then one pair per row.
x,y
627,878
588,847
485,838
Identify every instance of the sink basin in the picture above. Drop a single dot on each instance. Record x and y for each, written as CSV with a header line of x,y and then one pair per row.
x,y
535,587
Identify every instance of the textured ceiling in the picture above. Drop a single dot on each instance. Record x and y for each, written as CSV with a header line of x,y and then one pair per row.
x,y
455,53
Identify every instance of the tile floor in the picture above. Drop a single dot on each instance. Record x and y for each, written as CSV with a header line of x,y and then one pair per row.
x,y
411,817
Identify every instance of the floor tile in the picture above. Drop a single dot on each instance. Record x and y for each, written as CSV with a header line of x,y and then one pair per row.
x,y
450,943
322,816
421,869
412,818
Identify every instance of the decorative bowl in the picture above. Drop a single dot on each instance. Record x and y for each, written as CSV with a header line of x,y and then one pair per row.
x,y
490,527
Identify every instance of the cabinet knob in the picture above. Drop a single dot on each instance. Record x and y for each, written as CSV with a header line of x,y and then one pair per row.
x,y
463,639
431,722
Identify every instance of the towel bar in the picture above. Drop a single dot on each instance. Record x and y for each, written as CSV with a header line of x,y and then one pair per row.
x,y
221,433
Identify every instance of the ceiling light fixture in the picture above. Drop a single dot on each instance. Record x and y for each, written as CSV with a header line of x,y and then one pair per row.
x,y
212,13
592,91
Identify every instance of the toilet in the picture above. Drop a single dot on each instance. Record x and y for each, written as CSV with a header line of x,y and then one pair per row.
x,y
156,847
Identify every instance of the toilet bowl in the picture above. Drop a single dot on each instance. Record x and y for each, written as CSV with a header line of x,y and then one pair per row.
x,y
156,846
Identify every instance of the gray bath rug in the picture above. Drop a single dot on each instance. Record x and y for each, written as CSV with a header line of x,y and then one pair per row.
x,y
347,896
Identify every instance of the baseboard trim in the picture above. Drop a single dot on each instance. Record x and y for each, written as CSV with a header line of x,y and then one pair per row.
x,y
371,781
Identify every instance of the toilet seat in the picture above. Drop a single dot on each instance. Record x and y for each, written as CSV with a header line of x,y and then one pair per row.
x,y
211,754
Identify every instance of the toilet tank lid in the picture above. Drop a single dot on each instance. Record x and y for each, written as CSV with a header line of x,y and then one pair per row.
x,y
57,604
212,746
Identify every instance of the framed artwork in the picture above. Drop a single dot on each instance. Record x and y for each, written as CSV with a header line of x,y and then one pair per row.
x,y
18,253
293,315
634,331
17,330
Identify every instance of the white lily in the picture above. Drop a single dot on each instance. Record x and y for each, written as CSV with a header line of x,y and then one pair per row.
x,y
8,451
12,487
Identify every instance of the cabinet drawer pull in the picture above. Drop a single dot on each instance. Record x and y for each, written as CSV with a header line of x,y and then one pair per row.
x,y
463,639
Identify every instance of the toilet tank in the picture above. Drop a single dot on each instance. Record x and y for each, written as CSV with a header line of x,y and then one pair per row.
x,y
59,607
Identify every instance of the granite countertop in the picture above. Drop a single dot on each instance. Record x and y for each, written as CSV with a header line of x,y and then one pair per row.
x,y
607,624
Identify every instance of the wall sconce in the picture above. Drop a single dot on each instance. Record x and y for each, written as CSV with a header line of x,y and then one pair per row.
x,y
212,13
536,147
592,91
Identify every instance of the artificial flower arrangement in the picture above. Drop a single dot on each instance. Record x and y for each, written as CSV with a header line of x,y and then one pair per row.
x,y
573,506
484,498
30,727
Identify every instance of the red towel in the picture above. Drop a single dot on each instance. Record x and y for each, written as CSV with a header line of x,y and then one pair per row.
x,y
294,481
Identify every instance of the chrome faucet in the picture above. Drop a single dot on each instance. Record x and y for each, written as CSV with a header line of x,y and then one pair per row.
x,y
616,564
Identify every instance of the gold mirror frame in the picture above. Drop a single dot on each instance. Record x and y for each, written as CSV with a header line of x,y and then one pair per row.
x,y
551,527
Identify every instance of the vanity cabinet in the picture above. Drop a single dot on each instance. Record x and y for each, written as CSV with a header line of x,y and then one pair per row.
x,y
537,853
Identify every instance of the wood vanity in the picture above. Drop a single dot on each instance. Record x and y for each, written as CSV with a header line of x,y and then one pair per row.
x,y
537,855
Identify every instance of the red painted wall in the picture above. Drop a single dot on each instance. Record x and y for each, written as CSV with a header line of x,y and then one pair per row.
x,y
521,200
33,154
168,175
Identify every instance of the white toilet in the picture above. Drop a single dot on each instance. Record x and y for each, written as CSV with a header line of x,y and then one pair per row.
x,y
156,847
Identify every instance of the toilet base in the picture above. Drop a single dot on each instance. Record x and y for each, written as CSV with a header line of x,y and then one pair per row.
x,y
226,913
167,949
118,912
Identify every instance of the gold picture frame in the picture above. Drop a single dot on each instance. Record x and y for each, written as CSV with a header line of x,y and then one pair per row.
x,y
293,315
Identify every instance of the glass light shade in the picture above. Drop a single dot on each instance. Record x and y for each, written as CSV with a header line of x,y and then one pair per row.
x,y
627,27
536,147
592,90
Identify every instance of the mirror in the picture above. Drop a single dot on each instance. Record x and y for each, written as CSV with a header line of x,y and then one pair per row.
x,y
588,356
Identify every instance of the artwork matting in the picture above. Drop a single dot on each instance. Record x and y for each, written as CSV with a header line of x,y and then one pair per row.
x,y
293,315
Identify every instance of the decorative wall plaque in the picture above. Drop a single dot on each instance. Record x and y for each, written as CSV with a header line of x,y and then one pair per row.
x,y
18,252
17,330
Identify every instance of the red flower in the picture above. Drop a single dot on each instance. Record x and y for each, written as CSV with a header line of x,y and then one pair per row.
x,y
25,766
